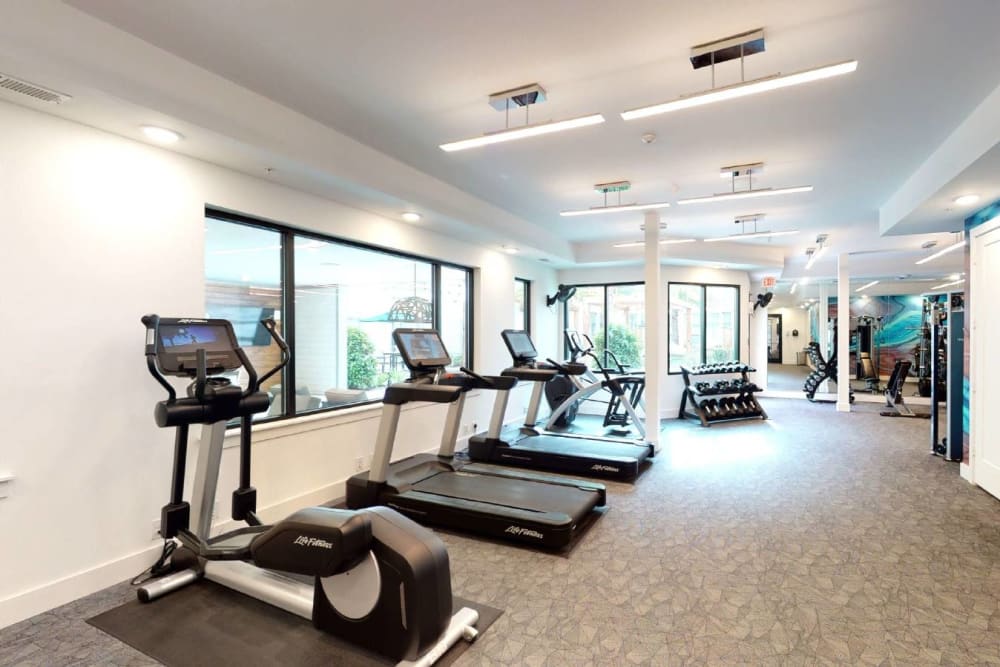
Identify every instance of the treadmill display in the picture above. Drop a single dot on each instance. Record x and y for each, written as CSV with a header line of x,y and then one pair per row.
x,y
519,344
421,348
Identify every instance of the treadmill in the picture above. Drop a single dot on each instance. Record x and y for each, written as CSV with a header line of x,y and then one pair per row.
x,y
433,489
562,452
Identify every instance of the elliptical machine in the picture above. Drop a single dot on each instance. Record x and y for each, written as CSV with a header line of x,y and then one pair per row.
x,y
379,580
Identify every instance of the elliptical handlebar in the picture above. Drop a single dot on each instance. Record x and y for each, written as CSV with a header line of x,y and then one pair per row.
x,y
272,328
152,323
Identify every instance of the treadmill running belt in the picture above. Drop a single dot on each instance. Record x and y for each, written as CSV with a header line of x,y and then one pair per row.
x,y
612,451
506,492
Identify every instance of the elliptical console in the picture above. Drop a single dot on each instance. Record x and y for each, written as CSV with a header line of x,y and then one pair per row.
x,y
380,580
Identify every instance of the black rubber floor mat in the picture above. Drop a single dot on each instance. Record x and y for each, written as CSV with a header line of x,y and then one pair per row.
x,y
207,624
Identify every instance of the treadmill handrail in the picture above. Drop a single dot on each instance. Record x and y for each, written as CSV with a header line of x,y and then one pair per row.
x,y
408,392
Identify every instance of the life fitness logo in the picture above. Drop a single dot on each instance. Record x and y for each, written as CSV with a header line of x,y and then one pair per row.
x,y
524,532
304,541
603,468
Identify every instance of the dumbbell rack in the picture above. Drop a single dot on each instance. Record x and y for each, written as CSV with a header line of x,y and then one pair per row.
x,y
715,405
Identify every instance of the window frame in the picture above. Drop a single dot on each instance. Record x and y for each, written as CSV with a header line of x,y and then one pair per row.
x,y
288,233
526,288
704,317
605,286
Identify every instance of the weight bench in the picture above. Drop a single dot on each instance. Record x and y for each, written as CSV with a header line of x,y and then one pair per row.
x,y
894,392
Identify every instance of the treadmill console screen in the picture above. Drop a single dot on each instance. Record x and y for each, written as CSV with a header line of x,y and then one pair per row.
x,y
421,348
178,342
519,345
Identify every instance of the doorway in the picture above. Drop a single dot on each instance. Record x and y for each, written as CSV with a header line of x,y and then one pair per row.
x,y
774,355
985,330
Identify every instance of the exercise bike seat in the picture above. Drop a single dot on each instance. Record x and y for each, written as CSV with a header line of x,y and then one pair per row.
x,y
316,541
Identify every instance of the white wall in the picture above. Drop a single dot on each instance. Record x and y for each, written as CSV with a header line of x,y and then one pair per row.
x,y
98,231
792,319
673,386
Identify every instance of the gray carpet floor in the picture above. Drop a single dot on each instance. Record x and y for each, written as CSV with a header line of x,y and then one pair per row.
x,y
815,537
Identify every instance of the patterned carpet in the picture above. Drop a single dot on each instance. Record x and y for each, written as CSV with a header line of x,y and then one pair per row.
x,y
811,538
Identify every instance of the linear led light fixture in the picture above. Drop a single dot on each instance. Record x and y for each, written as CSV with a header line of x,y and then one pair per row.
x,y
951,284
751,235
794,287
743,89
816,253
637,244
864,287
613,187
614,209
943,251
523,96
746,194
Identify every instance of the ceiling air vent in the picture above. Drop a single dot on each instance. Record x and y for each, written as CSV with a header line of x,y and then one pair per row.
x,y
31,90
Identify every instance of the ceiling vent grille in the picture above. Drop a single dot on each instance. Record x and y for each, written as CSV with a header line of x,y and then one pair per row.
x,y
32,90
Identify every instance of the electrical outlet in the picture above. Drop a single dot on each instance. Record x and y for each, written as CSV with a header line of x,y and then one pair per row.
x,y
359,464
215,511
156,530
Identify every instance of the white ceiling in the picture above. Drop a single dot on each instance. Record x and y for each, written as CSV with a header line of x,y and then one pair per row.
x,y
404,77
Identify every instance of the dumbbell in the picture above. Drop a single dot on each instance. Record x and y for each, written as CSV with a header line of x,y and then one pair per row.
x,y
708,407
702,387
726,407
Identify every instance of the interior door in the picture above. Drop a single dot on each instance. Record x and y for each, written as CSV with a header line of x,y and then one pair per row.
x,y
774,339
986,329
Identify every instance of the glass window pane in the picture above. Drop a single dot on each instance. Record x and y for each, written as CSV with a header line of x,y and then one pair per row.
x,y
721,324
520,304
347,302
455,314
685,305
626,325
243,285
585,312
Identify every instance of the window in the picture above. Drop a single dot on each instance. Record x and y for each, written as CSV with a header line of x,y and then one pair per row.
x,y
703,324
614,316
337,304
522,304
243,284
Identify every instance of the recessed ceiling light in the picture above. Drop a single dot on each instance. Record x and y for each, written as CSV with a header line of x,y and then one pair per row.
x,y
965,200
160,135
410,216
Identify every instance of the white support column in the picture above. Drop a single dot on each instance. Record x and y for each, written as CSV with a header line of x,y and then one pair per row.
x,y
822,320
656,329
757,342
843,335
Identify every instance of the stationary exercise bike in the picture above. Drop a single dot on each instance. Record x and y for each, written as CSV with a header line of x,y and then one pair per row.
x,y
379,580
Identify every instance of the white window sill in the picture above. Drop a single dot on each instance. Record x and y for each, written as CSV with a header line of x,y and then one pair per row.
x,y
324,420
